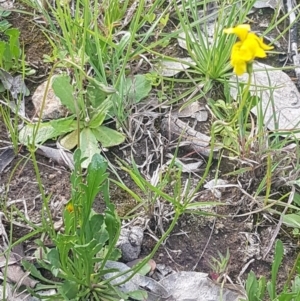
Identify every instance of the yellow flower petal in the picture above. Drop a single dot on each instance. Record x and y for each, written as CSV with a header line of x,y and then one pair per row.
x,y
239,52
247,49
240,68
252,44
241,31
263,45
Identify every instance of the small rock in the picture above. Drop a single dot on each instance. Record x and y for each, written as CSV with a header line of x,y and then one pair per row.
x,y
130,242
197,286
53,108
162,271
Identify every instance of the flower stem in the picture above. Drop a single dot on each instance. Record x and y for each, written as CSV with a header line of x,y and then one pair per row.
x,y
242,119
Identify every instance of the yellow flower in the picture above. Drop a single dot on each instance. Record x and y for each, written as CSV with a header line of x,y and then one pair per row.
x,y
247,49
70,207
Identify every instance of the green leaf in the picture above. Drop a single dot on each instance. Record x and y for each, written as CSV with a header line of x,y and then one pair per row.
x,y
292,220
64,91
88,251
96,176
145,269
14,45
94,229
66,125
108,137
261,288
7,58
69,222
271,286
69,289
70,140
285,296
64,244
108,90
255,288
99,113
95,95
88,145
46,130
4,25
2,50
115,254
296,199
35,272
138,295
97,119
112,224
53,257
137,87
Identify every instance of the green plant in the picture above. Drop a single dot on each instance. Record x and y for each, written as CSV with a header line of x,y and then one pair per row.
x,y
90,110
87,242
225,112
233,126
256,289
205,42
219,265
90,38
166,186
10,50
4,24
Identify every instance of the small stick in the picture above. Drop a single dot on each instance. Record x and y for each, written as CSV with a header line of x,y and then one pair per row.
x,y
290,5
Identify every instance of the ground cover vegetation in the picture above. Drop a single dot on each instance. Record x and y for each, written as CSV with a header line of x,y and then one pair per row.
x,y
116,71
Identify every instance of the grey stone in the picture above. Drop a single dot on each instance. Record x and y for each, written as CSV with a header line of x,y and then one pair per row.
x,y
130,242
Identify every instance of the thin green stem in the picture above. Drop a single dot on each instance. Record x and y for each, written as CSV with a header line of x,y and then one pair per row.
x,y
292,272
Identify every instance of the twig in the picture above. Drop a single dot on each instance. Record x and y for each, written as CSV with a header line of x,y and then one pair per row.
x,y
290,5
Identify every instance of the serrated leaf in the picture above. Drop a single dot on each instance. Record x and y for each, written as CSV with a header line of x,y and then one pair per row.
x,y
137,87
88,145
108,137
64,91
